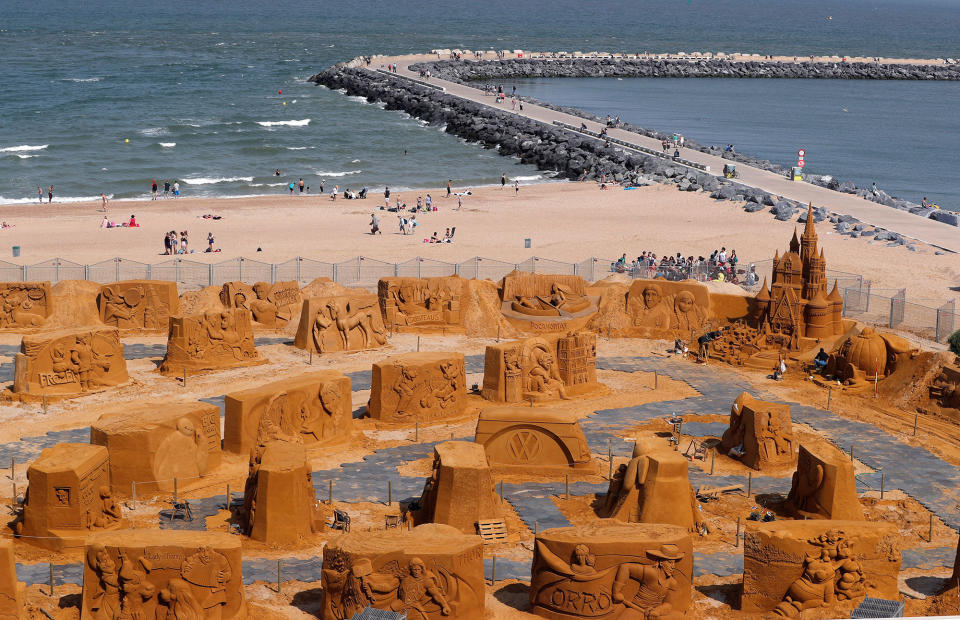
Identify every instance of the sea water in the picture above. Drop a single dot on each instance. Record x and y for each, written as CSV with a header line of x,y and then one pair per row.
x,y
195,89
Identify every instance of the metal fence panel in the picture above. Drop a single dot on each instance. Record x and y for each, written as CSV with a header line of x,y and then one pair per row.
x,y
187,273
10,272
486,268
116,270
546,265
420,267
946,321
55,270
310,270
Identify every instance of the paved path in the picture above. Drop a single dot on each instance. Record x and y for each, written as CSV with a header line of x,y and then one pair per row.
x,y
908,225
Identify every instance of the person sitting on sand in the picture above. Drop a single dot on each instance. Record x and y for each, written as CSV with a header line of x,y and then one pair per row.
x,y
104,223
5,225
133,222
434,238
821,359
779,370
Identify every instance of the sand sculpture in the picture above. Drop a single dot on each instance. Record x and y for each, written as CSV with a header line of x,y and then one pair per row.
x,y
944,392
12,592
421,303
68,496
278,498
340,323
431,572
526,440
210,341
460,490
610,569
654,487
792,566
312,408
24,304
823,486
868,357
69,363
138,304
541,368
418,387
151,443
272,305
162,574
662,309
760,433
541,303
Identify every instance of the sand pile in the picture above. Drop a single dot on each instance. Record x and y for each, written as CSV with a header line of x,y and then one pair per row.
x,y
74,305
481,311
612,307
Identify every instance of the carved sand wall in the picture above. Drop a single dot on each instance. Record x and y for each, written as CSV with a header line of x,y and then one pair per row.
x,y
138,304
153,442
663,309
760,433
210,341
24,305
418,387
542,368
610,569
546,303
340,323
411,304
69,363
828,566
823,486
11,591
272,305
431,572
528,440
312,408
278,498
163,574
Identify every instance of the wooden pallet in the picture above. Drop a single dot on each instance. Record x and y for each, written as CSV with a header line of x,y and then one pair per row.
x,y
492,531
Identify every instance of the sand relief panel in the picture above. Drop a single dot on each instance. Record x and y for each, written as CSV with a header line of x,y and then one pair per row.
x,y
612,570
24,304
421,303
12,592
794,566
528,440
823,487
210,341
460,490
272,305
418,387
663,309
69,363
278,497
542,303
654,487
543,368
138,304
313,408
340,323
429,573
944,390
68,496
151,443
165,574
760,434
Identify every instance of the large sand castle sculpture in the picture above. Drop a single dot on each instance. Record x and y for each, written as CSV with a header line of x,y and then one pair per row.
x,y
543,303
24,304
312,408
431,572
272,305
823,486
163,574
612,570
654,487
138,304
460,490
792,566
541,368
422,303
69,363
154,442
418,387
527,440
868,357
12,592
69,496
278,498
340,323
210,341
760,434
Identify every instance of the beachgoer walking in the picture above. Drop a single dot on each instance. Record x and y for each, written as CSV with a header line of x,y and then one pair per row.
x,y
166,188
516,188
50,193
103,203
419,202
459,202
333,194
176,189
183,242
301,185
374,225
429,203
503,180
322,183
449,190
209,242
166,240
153,190
290,187
403,224
40,192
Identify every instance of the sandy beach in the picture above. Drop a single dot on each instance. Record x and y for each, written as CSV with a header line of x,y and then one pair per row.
x,y
566,221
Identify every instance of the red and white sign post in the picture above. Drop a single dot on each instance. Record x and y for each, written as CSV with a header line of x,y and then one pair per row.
x,y
800,155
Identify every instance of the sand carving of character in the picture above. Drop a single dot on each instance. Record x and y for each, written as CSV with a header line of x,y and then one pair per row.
x,y
105,602
177,602
850,582
687,315
367,588
413,394
770,435
120,309
804,489
814,588
211,570
220,330
183,453
17,308
544,377
657,596
333,580
322,423
446,395
345,319
135,590
266,309
419,588
651,312
281,419
109,510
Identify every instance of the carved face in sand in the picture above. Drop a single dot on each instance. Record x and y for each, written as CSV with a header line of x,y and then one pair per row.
x,y
329,397
544,359
416,567
652,296
685,302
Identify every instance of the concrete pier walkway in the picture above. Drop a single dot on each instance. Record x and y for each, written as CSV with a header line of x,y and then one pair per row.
x,y
906,224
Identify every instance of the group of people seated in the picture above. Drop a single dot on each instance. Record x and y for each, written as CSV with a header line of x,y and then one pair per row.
x,y
447,236
351,195
108,223
719,266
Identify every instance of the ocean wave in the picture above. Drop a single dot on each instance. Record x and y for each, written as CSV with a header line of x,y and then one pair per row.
x,y
267,184
33,199
90,79
22,156
23,147
354,161
212,180
300,123
299,148
321,173
167,145
534,177
154,131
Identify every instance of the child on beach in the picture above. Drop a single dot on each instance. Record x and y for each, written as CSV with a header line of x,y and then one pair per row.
x,y
333,194
176,189
210,242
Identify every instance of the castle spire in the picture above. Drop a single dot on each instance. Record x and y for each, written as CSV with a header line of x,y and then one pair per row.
x,y
795,243
808,229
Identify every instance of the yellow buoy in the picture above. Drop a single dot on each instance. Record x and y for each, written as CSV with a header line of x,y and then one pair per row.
x,y
284,103
127,140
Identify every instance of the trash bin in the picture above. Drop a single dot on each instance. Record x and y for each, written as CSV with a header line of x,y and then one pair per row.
x,y
16,251
526,244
